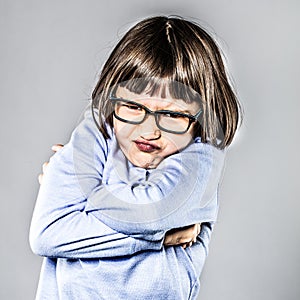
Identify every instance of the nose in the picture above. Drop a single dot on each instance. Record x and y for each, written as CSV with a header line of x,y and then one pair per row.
x,y
149,130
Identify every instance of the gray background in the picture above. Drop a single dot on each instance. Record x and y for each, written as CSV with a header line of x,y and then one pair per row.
x,y
50,54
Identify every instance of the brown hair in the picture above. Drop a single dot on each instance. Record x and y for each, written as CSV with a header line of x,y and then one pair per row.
x,y
182,52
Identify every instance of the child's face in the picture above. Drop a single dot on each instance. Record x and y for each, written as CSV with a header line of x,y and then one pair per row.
x,y
145,145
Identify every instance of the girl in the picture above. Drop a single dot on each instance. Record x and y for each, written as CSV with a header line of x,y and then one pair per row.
x,y
119,210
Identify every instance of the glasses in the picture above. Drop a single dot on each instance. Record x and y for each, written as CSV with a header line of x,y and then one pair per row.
x,y
170,121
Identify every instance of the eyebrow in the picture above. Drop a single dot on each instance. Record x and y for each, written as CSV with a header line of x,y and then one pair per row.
x,y
171,110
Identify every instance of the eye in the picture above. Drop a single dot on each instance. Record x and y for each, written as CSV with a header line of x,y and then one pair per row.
x,y
131,106
172,115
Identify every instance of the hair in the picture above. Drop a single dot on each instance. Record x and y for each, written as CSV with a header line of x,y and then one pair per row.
x,y
177,51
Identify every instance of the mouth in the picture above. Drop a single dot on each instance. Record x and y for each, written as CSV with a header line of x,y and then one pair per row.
x,y
145,146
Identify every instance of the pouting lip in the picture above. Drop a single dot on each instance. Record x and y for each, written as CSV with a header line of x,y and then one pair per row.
x,y
155,146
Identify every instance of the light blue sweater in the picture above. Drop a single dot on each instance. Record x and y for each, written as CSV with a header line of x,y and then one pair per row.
x,y
100,222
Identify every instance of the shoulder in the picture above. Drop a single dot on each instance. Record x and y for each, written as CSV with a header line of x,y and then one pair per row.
x,y
87,135
87,147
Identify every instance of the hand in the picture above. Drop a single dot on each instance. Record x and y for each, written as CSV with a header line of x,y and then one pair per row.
x,y
55,148
184,236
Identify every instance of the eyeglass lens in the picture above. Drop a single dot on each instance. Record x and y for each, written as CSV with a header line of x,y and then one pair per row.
x,y
136,114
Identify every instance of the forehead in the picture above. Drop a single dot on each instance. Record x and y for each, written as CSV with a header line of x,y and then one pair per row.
x,y
158,102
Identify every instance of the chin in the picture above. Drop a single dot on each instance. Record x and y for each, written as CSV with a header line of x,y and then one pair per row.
x,y
149,163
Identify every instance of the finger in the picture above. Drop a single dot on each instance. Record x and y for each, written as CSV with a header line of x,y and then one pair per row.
x,y
185,245
57,147
168,240
40,178
198,228
174,239
193,229
183,240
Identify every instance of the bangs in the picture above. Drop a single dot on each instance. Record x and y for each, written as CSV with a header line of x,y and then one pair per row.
x,y
161,87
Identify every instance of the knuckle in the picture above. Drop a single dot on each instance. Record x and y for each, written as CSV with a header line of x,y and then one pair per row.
x,y
185,240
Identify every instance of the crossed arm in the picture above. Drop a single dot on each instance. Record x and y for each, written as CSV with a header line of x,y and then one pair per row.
x,y
184,236
62,227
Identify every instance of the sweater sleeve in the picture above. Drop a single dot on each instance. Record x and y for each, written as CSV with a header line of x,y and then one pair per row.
x,y
60,226
94,203
181,191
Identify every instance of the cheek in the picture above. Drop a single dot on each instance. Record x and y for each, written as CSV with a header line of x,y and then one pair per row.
x,y
122,130
117,125
125,134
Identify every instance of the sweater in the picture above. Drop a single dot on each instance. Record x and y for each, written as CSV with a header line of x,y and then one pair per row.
x,y
99,221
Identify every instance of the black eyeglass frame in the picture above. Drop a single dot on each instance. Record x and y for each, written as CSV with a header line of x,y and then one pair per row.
x,y
192,118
